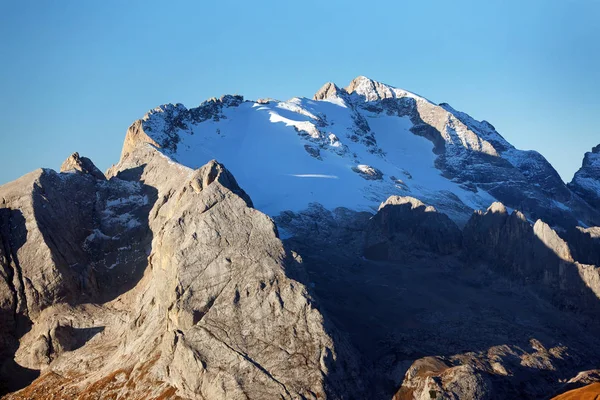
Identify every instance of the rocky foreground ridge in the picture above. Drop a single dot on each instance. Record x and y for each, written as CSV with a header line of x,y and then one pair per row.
x,y
161,281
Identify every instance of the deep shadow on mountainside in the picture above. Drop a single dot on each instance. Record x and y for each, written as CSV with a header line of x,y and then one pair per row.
x,y
160,281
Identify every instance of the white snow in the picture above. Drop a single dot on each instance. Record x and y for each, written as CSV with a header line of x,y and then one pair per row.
x,y
259,145
132,199
315,176
289,154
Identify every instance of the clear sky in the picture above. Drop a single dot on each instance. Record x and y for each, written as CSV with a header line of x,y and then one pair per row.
x,y
75,74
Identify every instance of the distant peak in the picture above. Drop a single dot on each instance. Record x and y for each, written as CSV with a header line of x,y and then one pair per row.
x,y
370,89
232,100
327,91
366,89
82,165
497,208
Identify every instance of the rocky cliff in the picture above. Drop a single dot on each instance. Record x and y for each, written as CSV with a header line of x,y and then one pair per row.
x,y
586,182
162,281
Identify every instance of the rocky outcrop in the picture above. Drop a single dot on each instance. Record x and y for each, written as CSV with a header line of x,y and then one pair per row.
x,y
328,90
367,172
584,244
494,335
206,309
67,238
81,164
586,182
317,227
533,254
501,372
405,226
134,137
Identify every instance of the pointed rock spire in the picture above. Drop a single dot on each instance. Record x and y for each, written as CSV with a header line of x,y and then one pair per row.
x,y
81,164
327,91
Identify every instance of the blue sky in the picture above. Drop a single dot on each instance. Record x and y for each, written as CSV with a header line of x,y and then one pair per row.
x,y
75,74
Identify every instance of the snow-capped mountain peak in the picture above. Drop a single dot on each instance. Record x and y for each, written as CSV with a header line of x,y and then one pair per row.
x,y
372,90
355,147
363,89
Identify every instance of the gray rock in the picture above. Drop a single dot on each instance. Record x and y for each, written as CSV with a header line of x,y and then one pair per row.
x,y
327,91
367,172
197,302
501,372
313,151
83,165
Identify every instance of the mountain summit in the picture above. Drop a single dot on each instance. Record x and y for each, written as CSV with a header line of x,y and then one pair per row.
x,y
356,146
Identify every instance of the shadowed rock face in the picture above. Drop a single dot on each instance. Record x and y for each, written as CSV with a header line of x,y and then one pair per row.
x,y
63,238
584,244
533,254
404,225
586,182
499,311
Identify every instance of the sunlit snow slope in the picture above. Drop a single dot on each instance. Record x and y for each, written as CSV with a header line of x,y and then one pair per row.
x,y
354,147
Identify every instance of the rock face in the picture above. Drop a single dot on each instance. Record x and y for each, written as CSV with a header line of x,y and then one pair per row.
x,y
584,244
404,225
81,164
328,90
504,306
63,237
483,375
190,299
586,182
533,254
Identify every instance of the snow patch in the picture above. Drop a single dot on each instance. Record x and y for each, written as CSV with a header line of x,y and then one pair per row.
x,y
315,176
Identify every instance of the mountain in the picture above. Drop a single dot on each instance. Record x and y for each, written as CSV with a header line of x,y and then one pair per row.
x,y
586,182
352,246
160,282
356,146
